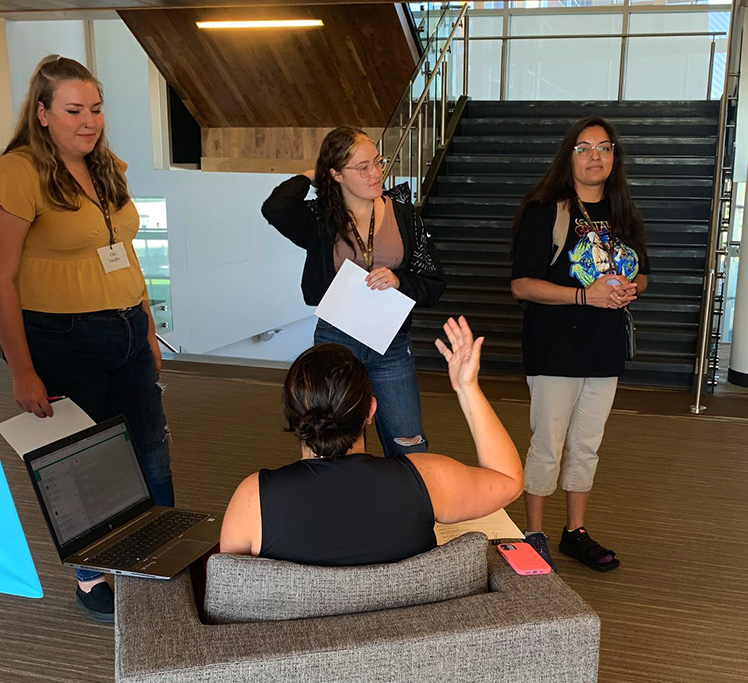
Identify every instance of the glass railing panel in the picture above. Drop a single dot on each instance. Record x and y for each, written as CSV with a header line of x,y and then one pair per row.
x,y
676,67
427,16
424,136
151,246
547,69
667,68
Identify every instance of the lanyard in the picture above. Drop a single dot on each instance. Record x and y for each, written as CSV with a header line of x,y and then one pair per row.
x,y
366,251
611,250
105,210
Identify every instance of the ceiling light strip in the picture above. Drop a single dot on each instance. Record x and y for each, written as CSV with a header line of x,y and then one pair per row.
x,y
276,23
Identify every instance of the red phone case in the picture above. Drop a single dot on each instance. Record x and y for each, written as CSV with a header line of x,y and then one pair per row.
x,y
523,558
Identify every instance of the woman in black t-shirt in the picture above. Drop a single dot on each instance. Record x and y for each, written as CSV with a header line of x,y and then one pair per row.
x,y
576,281
341,506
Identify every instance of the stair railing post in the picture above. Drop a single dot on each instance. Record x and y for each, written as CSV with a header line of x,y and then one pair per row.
x,y
697,408
465,53
707,315
424,94
622,67
443,112
709,75
419,157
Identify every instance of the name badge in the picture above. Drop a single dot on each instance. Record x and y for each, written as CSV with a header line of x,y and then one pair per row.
x,y
114,257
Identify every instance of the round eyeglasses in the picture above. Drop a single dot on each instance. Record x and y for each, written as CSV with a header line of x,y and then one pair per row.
x,y
370,168
604,150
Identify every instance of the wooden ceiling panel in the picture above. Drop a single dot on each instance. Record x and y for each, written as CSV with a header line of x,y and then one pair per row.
x,y
62,5
351,70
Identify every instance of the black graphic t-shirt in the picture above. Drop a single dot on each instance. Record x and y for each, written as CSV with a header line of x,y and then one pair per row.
x,y
571,340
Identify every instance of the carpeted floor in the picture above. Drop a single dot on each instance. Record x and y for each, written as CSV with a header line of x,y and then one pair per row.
x,y
671,497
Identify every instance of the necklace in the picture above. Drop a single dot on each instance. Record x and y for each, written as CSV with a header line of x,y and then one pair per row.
x,y
366,251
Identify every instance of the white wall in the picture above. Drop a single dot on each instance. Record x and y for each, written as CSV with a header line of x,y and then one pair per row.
x,y
30,41
232,275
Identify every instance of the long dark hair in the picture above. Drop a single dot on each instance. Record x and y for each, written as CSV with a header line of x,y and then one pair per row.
x,y
58,186
558,184
336,151
326,399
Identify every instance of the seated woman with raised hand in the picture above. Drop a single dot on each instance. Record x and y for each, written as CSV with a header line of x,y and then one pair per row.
x,y
340,506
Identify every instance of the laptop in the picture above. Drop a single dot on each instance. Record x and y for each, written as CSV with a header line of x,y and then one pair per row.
x,y
100,511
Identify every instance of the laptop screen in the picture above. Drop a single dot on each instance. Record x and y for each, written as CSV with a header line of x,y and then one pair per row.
x,y
86,483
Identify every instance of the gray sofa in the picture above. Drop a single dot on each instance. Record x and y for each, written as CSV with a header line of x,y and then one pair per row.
x,y
505,627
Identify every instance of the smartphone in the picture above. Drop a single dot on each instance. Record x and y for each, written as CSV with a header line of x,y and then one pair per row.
x,y
523,558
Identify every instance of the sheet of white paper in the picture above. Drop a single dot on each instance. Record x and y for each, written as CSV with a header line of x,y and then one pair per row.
x,y
497,525
26,432
371,317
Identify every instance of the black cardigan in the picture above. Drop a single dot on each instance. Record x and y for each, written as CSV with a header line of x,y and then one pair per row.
x,y
421,275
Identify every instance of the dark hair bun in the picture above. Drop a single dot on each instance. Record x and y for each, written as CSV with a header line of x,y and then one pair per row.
x,y
326,399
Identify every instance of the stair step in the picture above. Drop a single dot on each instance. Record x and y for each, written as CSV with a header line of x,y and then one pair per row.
x,y
536,165
505,207
576,109
685,233
501,150
558,125
504,186
539,144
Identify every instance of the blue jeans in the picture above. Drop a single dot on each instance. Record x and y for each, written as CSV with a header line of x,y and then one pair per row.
x,y
103,362
395,386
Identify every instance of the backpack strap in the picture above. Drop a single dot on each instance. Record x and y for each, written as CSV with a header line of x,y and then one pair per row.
x,y
560,228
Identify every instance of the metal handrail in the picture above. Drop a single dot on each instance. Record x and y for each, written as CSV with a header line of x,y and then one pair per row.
x,y
623,36
580,36
421,61
166,343
417,109
711,254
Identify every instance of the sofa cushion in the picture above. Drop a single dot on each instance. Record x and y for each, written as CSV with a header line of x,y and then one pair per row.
x,y
240,588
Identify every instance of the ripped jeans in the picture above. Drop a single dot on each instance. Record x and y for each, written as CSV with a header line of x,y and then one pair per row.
x,y
103,362
395,386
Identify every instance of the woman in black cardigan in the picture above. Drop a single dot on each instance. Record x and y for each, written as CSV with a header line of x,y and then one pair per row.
x,y
352,218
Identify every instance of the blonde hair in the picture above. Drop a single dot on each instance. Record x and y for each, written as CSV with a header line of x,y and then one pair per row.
x,y
58,185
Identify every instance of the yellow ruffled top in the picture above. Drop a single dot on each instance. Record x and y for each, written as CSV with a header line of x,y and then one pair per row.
x,y
61,271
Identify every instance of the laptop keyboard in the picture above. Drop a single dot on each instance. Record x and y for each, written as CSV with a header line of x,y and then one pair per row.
x,y
138,545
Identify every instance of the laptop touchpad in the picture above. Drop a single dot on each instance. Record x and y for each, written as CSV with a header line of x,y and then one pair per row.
x,y
185,550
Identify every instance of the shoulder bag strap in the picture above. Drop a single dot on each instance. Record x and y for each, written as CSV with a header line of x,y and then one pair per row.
x,y
560,228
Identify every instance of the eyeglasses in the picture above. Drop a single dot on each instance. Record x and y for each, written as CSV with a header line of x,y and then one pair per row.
x,y
370,168
604,150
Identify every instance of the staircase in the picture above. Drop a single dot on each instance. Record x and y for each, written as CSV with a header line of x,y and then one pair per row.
x,y
499,151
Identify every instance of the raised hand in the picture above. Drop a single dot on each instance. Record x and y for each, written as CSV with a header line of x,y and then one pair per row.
x,y
463,358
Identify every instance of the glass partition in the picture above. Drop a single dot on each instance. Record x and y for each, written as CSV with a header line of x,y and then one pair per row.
x,y
411,161
151,245
676,67
561,69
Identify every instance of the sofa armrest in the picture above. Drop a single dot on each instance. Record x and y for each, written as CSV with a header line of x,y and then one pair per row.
x,y
531,629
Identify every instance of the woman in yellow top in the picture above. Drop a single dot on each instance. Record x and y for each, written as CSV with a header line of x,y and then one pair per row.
x,y
74,315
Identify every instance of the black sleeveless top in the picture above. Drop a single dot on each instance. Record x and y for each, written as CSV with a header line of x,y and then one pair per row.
x,y
357,509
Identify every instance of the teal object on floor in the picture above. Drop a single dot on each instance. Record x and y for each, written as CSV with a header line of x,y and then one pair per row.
x,y
17,572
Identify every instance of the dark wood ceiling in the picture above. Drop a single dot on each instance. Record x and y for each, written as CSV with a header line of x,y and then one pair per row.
x,y
58,5
353,70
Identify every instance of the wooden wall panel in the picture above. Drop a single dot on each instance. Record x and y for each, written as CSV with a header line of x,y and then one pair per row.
x,y
264,150
351,71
